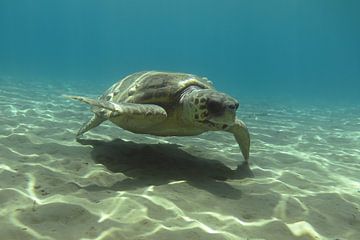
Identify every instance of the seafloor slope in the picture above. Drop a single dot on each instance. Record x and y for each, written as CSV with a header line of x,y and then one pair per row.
x,y
303,180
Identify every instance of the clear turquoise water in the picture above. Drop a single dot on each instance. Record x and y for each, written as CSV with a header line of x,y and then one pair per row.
x,y
293,49
293,65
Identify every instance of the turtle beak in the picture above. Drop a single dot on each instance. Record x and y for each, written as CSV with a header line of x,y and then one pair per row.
x,y
222,109
222,112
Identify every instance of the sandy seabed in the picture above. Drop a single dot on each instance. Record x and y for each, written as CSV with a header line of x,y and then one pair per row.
x,y
302,183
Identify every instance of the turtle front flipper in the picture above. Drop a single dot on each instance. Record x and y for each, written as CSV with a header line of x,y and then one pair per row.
x,y
130,116
242,137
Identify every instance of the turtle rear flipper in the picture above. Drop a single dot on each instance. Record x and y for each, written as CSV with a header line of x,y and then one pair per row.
x,y
93,122
123,114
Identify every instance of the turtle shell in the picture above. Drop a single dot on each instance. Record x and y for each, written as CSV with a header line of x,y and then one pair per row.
x,y
161,88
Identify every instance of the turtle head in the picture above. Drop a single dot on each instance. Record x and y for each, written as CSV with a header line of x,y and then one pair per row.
x,y
210,107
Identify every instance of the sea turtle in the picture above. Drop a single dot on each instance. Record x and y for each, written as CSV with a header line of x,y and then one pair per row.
x,y
167,104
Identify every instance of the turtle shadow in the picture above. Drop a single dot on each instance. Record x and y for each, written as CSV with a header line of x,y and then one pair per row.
x,y
159,164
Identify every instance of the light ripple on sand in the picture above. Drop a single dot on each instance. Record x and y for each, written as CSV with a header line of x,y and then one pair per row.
x,y
305,162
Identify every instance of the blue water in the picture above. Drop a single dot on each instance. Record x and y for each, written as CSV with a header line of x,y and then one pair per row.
x,y
297,50
294,65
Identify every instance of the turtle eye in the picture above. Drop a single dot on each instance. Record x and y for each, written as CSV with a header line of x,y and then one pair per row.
x,y
233,106
215,107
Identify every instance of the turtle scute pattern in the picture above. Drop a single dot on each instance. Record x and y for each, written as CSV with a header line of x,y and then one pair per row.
x,y
153,87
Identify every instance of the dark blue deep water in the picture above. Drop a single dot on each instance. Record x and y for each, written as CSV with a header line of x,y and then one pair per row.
x,y
304,51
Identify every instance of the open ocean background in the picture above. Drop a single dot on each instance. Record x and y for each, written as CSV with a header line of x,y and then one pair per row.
x,y
296,50
294,66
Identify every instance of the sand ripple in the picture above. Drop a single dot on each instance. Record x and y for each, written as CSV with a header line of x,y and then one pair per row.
x,y
302,183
